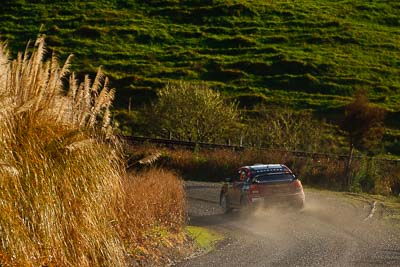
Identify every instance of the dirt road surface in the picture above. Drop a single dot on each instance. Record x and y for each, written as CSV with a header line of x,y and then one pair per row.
x,y
330,231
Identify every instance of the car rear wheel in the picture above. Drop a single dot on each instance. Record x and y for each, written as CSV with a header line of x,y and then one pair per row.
x,y
298,205
225,204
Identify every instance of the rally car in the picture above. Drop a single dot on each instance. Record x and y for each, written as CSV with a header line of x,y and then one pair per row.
x,y
264,184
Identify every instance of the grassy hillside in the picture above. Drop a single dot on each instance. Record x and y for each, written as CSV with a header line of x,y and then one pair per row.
x,y
306,54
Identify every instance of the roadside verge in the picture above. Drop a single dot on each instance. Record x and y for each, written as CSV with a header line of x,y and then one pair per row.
x,y
205,239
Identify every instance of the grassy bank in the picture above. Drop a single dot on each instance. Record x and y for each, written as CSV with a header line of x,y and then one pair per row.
x,y
204,238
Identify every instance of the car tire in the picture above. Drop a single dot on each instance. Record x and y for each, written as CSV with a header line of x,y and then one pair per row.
x,y
244,203
225,204
298,205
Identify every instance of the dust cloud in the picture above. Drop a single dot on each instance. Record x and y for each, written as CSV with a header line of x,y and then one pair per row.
x,y
329,231
321,215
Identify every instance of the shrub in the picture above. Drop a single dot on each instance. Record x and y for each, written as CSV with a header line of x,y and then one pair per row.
x,y
215,165
283,128
363,124
370,175
192,112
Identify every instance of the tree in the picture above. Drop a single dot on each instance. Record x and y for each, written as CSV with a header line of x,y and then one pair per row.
x,y
193,112
364,126
284,128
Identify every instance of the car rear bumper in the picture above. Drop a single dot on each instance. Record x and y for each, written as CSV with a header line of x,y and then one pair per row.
x,y
293,198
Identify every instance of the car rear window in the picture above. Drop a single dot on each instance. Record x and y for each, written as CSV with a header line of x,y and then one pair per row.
x,y
275,177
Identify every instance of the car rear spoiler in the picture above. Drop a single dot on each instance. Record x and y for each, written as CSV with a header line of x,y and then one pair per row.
x,y
255,180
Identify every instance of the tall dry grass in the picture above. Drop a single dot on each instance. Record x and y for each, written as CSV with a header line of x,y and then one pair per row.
x,y
59,180
154,207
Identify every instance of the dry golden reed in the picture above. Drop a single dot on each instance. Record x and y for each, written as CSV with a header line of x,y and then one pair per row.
x,y
65,199
59,181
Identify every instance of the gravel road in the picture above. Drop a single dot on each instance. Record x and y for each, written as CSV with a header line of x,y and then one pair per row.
x,y
328,232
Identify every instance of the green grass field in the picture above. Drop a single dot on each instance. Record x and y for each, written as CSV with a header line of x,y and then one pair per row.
x,y
304,54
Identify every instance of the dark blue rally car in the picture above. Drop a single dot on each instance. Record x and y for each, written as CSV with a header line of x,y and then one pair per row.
x,y
263,184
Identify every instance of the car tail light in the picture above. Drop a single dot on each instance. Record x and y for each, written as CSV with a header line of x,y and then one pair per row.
x,y
297,185
254,189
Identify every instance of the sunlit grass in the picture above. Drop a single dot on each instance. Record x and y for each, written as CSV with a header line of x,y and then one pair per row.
x,y
206,239
59,180
351,44
65,197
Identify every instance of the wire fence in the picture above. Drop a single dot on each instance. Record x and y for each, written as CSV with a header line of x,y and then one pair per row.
x,y
194,145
